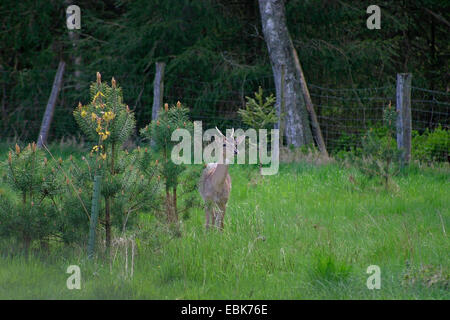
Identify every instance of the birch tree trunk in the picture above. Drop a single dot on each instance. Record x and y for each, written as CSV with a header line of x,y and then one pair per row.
x,y
281,52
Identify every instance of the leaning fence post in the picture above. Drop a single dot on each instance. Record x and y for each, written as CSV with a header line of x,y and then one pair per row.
x,y
94,215
48,115
404,122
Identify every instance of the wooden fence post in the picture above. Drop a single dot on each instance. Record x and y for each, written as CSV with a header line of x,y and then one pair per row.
x,y
309,106
94,215
158,89
404,122
48,115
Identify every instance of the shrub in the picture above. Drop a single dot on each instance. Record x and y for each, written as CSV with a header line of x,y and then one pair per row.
x,y
379,153
431,145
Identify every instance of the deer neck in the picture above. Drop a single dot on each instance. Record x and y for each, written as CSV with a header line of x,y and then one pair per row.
x,y
220,174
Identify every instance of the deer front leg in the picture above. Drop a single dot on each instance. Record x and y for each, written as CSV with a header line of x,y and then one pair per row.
x,y
221,208
208,215
222,218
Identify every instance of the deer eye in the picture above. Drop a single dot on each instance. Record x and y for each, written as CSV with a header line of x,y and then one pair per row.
x,y
224,144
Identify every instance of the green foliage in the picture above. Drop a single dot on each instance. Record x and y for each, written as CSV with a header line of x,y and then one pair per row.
x,y
431,145
131,189
106,118
128,179
259,113
215,55
269,236
34,213
379,155
159,133
328,268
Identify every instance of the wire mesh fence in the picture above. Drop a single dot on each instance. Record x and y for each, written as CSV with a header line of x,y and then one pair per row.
x,y
344,114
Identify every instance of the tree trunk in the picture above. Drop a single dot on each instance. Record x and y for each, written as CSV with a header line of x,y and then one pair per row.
x,y
281,52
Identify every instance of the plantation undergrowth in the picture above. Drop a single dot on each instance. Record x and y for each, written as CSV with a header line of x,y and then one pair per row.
x,y
309,232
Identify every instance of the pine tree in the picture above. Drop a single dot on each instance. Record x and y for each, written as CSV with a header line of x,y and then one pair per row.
x,y
127,178
259,113
35,214
174,176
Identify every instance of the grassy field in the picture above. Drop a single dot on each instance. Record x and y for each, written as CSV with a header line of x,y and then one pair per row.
x,y
309,232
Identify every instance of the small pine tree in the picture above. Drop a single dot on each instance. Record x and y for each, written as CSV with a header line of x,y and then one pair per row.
x,y
35,214
108,122
259,113
174,176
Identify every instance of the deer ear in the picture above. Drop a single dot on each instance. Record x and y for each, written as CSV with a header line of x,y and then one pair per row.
x,y
240,139
221,134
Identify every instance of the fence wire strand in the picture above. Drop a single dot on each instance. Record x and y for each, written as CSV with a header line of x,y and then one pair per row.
x,y
344,114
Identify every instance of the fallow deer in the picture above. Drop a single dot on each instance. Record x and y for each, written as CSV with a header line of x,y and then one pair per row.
x,y
215,183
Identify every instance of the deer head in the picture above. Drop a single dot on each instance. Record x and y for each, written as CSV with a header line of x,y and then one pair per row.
x,y
230,144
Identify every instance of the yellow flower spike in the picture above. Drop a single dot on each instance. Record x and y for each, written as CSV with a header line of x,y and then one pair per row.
x,y
99,78
108,116
95,148
103,156
83,113
96,97
17,149
80,105
93,116
10,157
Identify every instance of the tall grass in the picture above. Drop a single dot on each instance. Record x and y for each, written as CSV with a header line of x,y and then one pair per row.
x,y
309,232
